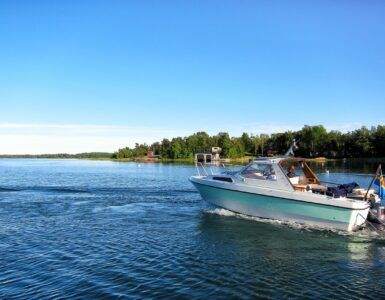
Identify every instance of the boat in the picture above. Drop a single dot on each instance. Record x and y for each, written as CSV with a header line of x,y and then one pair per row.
x,y
269,188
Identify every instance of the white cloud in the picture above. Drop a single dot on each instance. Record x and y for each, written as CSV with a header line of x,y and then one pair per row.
x,y
16,138
74,138
346,127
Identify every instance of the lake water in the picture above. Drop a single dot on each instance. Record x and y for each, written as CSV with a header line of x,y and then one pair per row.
x,y
100,229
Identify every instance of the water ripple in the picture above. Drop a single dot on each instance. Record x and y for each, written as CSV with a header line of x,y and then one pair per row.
x,y
108,231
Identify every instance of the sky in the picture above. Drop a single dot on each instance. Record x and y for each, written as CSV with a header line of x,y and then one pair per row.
x,y
78,76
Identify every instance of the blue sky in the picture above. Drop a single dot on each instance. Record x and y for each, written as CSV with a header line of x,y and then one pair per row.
x,y
95,75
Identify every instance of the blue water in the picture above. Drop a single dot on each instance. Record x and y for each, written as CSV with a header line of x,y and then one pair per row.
x,y
87,229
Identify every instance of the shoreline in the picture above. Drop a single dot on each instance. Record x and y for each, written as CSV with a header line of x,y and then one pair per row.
x,y
241,160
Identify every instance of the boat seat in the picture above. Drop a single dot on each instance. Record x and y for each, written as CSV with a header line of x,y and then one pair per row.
x,y
300,187
317,188
294,180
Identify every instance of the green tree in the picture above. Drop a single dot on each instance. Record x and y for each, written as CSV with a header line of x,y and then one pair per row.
x,y
247,143
224,142
361,144
166,148
280,142
176,150
378,141
312,140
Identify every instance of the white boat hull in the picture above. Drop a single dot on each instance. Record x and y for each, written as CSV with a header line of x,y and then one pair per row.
x,y
270,205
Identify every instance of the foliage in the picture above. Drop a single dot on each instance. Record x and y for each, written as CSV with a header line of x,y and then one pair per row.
x,y
313,141
138,151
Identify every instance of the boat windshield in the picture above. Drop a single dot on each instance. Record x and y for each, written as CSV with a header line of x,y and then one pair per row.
x,y
259,171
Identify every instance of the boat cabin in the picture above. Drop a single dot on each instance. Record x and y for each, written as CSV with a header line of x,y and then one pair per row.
x,y
294,174
284,173
301,176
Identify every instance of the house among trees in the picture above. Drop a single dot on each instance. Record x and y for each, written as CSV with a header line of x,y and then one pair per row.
x,y
151,156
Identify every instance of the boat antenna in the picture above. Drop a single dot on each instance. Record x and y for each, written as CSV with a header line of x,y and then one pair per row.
x,y
293,147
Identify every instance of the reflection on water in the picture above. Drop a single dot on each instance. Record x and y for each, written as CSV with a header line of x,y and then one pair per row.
x,y
85,229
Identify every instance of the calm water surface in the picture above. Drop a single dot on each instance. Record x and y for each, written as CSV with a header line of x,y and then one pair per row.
x,y
87,229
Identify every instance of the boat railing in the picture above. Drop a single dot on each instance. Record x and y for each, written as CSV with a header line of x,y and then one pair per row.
x,y
199,166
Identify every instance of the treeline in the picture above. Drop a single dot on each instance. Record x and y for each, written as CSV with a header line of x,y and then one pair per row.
x,y
87,155
313,141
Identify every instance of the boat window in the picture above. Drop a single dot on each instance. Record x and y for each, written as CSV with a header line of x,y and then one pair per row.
x,y
259,171
227,179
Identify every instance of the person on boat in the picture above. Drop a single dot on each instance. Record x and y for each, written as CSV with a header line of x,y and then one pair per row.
x,y
291,172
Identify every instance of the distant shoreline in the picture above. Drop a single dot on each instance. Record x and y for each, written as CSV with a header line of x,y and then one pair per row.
x,y
241,160
85,155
